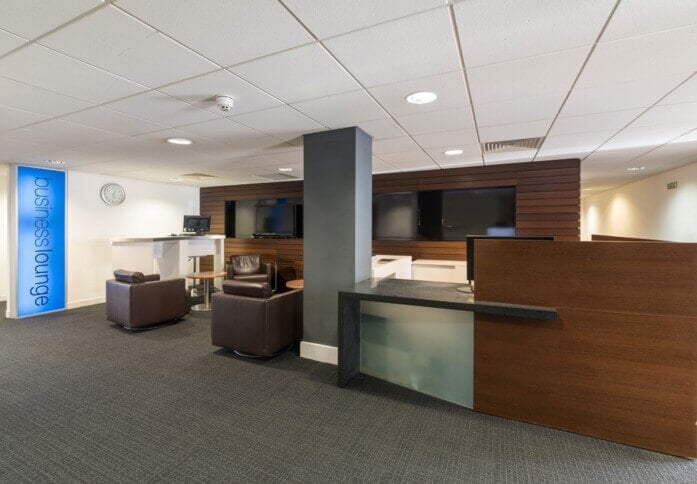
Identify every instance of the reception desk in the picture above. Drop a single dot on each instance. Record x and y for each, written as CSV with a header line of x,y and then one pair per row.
x,y
168,256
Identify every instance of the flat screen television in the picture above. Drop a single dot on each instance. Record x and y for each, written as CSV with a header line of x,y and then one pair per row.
x,y
281,221
444,214
197,224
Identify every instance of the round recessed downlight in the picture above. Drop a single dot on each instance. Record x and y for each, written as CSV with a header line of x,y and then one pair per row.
x,y
423,97
176,179
285,170
452,152
179,141
56,162
636,168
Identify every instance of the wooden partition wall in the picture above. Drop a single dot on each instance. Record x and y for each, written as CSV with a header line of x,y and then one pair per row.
x,y
620,363
547,203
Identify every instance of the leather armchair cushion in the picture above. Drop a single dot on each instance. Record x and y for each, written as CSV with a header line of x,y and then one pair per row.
x,y
246,264
246,288
122,275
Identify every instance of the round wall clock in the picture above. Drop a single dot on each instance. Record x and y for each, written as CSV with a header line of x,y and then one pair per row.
x,y
112,194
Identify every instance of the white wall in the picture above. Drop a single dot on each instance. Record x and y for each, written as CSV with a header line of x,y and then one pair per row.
x,y
4,259
149,209
646,208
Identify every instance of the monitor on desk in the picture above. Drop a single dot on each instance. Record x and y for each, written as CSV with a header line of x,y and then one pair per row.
x,y
197,224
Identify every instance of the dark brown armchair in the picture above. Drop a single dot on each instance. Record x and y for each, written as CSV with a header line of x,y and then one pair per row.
x,y
136,301
252,321
249,268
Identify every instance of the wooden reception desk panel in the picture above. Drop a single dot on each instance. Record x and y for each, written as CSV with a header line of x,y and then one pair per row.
x,y
620,363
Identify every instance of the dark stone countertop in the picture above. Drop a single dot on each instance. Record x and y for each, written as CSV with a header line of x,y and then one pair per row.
x,y
439,295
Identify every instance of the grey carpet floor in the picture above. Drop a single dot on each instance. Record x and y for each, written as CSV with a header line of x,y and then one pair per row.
x,y
82,401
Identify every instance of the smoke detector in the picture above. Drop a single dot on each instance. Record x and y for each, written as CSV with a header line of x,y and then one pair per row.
x,y
224,103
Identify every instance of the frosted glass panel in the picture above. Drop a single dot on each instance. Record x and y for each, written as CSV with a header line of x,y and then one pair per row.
x,y
427,349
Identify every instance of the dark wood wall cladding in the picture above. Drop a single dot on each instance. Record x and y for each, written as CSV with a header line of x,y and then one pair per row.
x,y
615,238
618,364
547,203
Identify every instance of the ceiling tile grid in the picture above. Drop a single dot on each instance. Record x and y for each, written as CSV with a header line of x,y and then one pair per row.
x,y
102,84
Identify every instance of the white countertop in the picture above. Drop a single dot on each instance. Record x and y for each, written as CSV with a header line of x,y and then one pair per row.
x,y
164,238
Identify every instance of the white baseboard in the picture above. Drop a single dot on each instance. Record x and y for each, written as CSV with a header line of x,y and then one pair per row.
x,y
3,298
85,302
319,352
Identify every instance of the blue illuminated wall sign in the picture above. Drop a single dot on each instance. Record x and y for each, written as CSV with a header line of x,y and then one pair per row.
x,y
40,240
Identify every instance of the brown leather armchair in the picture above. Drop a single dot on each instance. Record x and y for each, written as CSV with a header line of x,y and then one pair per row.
x,y
136,301
249,268
252,321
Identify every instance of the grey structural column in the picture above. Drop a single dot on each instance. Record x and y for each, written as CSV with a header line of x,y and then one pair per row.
x,y
337,224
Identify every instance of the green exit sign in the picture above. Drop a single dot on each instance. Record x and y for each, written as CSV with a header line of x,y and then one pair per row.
x,y
672,185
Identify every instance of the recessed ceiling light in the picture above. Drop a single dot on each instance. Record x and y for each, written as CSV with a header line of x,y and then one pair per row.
x,y
423,97
636,168
179,141
452,152
285,170
176,178
56,162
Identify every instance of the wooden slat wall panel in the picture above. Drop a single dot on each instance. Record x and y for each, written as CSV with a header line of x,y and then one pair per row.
x,y
619,363
547,203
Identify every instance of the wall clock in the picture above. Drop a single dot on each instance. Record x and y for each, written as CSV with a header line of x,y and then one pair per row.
x,y
112,194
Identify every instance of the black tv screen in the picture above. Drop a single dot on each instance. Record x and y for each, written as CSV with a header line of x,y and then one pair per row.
x,y
444,214
275,220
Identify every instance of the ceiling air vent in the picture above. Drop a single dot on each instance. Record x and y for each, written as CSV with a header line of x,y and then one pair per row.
x,y
512,145
275,176
198,176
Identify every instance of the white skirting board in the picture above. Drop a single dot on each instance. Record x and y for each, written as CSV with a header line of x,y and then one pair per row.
x,y
319,352
85,302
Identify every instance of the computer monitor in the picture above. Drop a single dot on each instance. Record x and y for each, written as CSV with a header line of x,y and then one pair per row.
x,y
197,223
471,254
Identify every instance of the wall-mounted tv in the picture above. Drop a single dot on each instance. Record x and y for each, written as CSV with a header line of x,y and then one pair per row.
x,y
279,220
444,214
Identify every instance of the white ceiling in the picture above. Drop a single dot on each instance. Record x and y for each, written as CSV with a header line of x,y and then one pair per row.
x,y
101,84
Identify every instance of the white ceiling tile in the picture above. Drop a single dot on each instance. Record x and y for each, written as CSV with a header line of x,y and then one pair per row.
x,y
31,18
115,121
450,88
573,145
36,100
618,97
118,43
471,155
509,157
236,138
333,17
56,72
308,72
450,139
512,29
225,32
503,132
461,162
521,110
58,134
14,148
11,118
416,46
613,156
437,121
202,90
394,145
647,136
641,17
380,166
533,76
342,110
686,93
657,55
283,122
382,128
409,159
9,42
669,114
162,109
613,120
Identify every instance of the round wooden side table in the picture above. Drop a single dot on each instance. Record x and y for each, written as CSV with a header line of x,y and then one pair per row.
x,y
206,277
295,284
